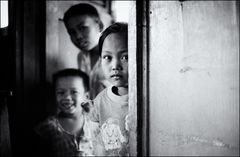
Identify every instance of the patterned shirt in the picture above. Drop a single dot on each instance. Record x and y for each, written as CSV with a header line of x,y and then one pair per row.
x,y
63,143
111,111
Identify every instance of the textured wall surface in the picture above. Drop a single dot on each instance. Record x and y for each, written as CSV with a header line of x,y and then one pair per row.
x,y
194,78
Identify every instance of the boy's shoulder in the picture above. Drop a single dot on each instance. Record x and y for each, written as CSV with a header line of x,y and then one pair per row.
x,y
49,121
47,127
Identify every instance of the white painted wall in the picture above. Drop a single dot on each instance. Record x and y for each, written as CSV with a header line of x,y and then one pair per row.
x,y
194,78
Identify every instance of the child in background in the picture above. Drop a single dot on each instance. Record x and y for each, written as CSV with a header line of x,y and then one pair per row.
x,y
69,133
110,107
84,26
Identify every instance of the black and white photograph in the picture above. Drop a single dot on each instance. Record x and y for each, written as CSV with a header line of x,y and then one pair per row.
x,y
119,78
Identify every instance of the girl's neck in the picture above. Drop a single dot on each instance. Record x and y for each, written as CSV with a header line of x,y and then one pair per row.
x,y
120,90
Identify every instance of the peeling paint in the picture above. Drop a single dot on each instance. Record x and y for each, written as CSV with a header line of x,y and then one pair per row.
x,y
185,69
209,74
181,3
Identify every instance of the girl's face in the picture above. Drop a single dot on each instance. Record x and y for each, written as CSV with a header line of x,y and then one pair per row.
x,y
70,94
114,59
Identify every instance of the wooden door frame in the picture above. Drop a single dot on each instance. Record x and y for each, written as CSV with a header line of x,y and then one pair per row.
x,y
142,61
27,43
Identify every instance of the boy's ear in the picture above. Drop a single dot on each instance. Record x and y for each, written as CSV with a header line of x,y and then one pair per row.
x,y
87,94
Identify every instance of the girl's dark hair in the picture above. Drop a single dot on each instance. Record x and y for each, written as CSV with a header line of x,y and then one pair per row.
x,y
118,27
71,72
82,9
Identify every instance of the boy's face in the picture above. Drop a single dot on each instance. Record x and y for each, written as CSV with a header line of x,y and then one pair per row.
x,y
114,59
70,94
84,31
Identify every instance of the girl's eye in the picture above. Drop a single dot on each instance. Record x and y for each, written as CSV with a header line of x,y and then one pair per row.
x,y
125,57
107,57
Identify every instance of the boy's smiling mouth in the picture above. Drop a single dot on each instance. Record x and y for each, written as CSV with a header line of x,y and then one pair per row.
x,y
67,105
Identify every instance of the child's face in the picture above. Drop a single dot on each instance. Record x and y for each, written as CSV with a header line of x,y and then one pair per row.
x,y
84,31
114,59
70,94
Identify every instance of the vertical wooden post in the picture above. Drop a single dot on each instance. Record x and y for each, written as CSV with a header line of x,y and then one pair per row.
x,y
142,76
5,144
27,43
132,69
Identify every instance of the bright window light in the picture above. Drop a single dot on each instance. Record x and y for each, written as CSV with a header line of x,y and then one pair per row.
x,y
121,10
4,13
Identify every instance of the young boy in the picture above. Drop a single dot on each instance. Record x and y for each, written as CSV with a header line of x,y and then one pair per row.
x,y
69,133
84,27
110,107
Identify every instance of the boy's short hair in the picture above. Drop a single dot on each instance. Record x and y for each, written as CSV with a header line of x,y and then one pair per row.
x,y
74,73
83,9
118,27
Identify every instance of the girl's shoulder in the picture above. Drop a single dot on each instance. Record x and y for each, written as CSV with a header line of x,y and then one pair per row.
x,y
91,126
101,96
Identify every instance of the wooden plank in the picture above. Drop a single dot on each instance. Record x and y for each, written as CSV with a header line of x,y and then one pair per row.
x,y
5,144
